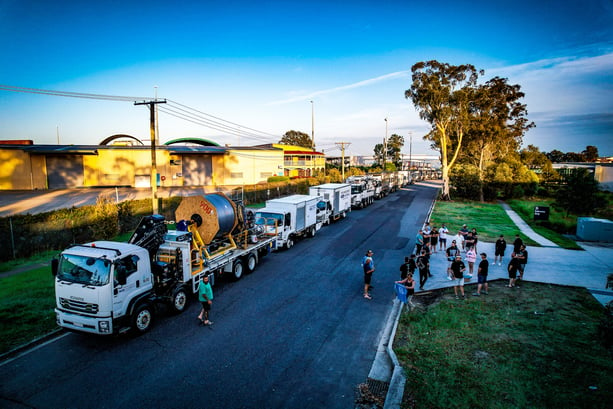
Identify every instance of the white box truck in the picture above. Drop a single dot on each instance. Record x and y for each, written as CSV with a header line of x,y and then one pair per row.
x,y
289,217
336,197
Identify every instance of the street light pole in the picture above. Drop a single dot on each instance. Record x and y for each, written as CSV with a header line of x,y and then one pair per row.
x,y
312,125
385,146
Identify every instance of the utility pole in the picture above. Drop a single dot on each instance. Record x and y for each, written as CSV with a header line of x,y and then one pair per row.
x,y
342,145
410,150
312,126
154,172
385,146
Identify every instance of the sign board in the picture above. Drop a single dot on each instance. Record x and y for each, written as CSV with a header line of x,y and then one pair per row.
x,y
541,212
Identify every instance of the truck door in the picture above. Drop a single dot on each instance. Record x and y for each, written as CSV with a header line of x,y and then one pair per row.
x,y
129,282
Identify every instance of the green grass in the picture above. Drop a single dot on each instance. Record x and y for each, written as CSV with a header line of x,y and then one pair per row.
x,y
531,347
489,219
26,307
525,209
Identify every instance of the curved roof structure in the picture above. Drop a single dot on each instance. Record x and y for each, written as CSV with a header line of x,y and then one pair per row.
x,y
120,136
198,141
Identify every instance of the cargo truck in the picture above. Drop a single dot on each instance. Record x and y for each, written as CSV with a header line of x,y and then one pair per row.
x,y
289,218
362,191
336,200
107,287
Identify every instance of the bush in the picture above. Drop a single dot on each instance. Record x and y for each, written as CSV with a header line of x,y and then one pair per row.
x,y
274,179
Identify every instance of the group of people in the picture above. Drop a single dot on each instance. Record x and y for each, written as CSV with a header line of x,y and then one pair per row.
x,y
427,240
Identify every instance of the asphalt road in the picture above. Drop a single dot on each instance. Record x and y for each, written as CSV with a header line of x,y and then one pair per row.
x,y
296,333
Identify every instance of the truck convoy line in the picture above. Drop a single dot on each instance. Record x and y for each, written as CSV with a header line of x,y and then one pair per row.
x,y
107,287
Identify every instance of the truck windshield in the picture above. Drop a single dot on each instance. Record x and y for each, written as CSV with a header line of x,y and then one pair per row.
x,y
356,189
268,219
84,270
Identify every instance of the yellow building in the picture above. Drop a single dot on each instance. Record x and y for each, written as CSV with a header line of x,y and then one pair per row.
x,y
25,166
299,161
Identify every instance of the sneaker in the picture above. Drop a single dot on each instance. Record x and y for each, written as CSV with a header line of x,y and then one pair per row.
x,y
499,264
485,292
368,297
463,296
449,278
457,298
476,294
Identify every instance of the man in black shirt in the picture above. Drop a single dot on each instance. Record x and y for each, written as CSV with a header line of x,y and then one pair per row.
x,y
458,267
482,271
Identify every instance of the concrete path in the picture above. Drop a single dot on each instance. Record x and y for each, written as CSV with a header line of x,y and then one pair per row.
x,y
525,228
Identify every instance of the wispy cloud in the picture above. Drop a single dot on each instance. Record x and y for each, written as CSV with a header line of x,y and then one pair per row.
x,y
359,84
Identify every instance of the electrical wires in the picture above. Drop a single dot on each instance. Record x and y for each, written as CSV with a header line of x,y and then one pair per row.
x,y
171,108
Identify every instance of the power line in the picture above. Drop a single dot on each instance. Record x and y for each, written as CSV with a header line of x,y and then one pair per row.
x,y
180,111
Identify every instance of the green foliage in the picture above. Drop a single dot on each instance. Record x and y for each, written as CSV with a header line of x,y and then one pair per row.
x,y
274,179
580,193
105,221
26,307
296,138
538,348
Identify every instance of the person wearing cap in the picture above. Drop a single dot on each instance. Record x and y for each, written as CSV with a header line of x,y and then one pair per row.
x,y
462,233
368,266
458,268
482,271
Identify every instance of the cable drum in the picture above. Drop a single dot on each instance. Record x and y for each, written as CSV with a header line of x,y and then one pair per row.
x,y
215,215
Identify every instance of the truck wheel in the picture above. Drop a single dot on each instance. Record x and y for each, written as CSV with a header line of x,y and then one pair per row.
x,y
142,318
237,270
312,232
251,261
180,300
289,243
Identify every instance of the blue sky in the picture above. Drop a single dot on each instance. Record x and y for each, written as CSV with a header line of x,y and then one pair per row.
x,y
259,64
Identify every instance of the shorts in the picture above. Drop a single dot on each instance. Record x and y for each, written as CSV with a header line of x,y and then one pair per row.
x,y
458,281
443,241
522,268
499,253
367,278
513,273
205,305
481,279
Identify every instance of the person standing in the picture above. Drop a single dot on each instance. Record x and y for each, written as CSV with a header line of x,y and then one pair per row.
x,y
404,268
471,257
500,247
452,251
368,265
434,239
482,271
205,296
512,268
517,244
457,268
469,241
419,242
475,238
442,237
463,233
423,266
409,284
523,260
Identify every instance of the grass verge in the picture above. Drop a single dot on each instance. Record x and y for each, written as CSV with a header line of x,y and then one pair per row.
x,y
537,346
26,307
489,219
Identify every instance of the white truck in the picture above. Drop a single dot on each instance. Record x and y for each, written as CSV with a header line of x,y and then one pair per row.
x,y
336,200
289,218
107,287
362,191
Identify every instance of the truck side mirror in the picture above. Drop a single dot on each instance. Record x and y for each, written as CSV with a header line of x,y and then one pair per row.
x,y
54,266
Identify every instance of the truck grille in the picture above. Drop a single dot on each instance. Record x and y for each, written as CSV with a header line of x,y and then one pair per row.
x,y
79,306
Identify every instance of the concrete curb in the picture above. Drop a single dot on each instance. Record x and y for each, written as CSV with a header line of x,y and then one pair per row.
x,y
395,393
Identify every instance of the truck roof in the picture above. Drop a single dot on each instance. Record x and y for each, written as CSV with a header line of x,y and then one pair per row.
x,y
293,199
110,249
330,186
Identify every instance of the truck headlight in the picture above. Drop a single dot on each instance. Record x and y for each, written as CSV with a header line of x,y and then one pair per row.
x,y
104,327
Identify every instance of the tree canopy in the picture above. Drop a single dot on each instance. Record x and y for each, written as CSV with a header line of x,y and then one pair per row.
x,y
297,138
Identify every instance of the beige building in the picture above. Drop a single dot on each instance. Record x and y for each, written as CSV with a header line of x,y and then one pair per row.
x,y
182,162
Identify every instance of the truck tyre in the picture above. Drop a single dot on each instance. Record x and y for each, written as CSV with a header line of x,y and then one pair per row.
x,y
179,300
289,243
251,261
237,270
312,231
142,318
